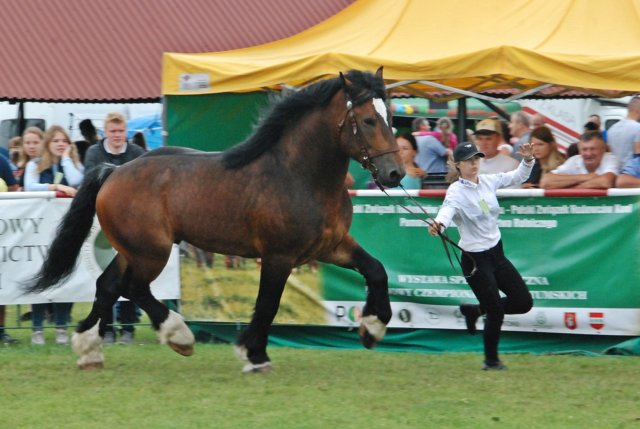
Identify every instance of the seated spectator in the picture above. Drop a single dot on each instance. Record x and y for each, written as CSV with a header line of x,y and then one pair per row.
x,y
408,151
545,151
488,137
593,167
630,174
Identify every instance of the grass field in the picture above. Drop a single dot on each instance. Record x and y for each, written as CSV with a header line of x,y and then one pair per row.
x,y
146,385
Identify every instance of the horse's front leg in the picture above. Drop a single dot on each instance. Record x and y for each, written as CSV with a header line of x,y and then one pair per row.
x,y
377,310
252,343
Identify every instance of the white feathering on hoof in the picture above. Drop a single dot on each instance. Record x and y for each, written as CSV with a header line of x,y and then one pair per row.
x,y
88,345
174,330
374,326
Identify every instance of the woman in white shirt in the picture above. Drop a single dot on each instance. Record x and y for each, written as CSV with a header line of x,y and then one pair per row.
x,y
58,168
471,203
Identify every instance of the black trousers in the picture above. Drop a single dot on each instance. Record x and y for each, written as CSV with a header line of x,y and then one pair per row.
x,y
495,273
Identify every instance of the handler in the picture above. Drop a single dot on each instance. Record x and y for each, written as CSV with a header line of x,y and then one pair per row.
x,y
471,203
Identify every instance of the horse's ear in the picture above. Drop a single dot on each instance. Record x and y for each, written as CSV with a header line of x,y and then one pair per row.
x,y
346,83
379,72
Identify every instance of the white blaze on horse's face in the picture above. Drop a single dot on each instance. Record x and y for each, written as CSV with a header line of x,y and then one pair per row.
x,y
381,108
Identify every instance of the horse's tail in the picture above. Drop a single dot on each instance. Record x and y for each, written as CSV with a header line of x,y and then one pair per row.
x,y
72,231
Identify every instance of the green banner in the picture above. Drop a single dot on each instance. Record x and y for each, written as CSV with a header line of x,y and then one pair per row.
x,y
578,256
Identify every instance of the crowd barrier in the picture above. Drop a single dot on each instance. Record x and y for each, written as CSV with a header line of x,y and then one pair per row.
x,y
577,251
28,222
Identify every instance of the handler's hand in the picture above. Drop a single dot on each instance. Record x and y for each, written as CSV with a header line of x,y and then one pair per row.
x,y
526,150
435,228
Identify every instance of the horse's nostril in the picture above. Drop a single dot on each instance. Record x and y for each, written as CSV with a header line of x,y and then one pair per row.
x,y
395,176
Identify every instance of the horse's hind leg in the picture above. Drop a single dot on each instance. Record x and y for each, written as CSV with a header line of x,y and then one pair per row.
x,y
377,310
252,343
87,340
170,326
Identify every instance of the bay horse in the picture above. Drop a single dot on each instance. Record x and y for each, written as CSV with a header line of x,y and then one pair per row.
x,y
278,196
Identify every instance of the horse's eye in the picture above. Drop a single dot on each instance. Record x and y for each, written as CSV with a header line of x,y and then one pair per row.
x,y
370,121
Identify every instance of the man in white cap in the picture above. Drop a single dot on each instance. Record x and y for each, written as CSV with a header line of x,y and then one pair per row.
x,y
487,138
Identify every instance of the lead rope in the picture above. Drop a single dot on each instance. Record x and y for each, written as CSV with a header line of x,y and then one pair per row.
x,y
446,241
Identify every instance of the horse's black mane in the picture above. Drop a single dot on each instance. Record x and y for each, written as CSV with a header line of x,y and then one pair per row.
x,y
291,108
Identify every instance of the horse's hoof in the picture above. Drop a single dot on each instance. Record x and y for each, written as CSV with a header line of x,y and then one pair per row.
x,y
371,330
257,368
91,365
184,350
368,340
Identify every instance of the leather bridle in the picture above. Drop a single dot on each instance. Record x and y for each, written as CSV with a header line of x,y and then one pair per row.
x,y
366,158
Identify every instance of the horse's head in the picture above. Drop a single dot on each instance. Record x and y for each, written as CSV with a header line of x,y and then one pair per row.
x,y
367,127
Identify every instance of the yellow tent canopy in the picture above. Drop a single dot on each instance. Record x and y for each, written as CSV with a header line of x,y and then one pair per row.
x,y
441,50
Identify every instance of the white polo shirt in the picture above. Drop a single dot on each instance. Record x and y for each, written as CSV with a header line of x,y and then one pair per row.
x,y
474,207
575,165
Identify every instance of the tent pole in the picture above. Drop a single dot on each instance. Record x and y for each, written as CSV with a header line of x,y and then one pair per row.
x,y
495,108
462,120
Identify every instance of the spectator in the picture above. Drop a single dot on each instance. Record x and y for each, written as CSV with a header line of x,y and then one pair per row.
x,y
408,150
488,138
8,183
114,149
432,155
520,127
630,174
90,135
472,204
422,127
537,120
139,139
448,138
7,175
31,145
15,147
572,150
546,153
595,118
58,168
624,134
504,147
593,167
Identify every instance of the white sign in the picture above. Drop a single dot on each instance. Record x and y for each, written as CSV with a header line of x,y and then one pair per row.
x,y
27,227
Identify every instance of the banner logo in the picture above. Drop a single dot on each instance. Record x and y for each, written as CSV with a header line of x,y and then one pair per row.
x,y
596,320
570,320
